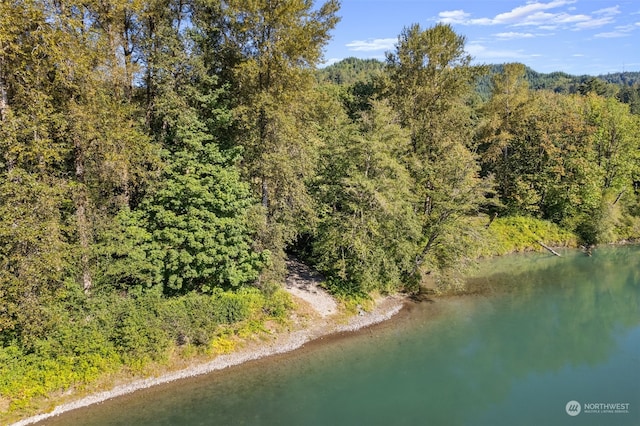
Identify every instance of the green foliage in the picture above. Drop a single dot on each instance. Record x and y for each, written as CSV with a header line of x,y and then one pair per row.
x,y
198,225
624,86
349,294
367,239
520,233
630,95
159,158
564,158
35,254
276,45
108,332
430,81
192,234
351,71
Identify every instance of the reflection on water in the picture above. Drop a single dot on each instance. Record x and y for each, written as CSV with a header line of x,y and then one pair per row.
x,y
551,331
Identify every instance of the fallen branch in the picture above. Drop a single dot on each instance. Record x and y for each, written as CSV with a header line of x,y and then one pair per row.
x,y
493,217
618,197
550,249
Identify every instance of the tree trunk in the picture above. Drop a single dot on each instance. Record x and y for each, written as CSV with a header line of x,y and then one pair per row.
x,y
4,97
4,107
618,197
493,217
82,221
83,234
4,100
265,193
420,258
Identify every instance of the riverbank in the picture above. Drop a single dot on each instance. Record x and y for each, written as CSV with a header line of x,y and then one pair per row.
x,y
407,370
316,316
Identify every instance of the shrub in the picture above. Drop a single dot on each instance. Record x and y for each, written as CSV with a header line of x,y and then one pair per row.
x,y
520,233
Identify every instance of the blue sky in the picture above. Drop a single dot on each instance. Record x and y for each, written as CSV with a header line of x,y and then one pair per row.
x,y
575,36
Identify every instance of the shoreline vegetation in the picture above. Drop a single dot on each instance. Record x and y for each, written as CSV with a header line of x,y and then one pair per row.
x,y
162,162
309,327
313,316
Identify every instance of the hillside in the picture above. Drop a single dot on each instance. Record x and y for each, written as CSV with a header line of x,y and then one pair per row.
x,y
623,85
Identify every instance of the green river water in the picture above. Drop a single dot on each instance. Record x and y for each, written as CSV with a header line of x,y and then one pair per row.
x,y
542,331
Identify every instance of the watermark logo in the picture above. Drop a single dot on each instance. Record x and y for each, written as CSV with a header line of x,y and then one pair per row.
x,y
573,408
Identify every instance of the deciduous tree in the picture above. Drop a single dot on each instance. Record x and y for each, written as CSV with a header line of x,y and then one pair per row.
x,y
430,80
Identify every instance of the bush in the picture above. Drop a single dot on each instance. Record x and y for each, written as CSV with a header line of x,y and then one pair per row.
x,y
138,330
88,337
520,233
278,304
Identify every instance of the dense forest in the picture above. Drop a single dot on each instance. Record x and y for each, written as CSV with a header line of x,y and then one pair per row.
x,y
160,159
624,86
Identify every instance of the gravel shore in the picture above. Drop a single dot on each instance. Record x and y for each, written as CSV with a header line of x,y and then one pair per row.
x,y
302,284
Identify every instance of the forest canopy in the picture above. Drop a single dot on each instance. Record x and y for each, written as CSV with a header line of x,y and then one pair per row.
x,y
159,160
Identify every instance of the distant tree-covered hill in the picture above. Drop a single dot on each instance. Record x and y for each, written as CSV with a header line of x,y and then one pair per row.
x,y
623,85
626,78
350,70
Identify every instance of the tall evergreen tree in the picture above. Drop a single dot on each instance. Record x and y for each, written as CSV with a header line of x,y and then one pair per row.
x,y
191,230
276,45
62,125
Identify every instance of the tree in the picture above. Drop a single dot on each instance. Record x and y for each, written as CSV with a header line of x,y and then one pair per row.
x,y
630,95
35,251
559,157
430,79
502,117
594,85
616,148
190,232
614,139
536,143
366,239
62,123
119,23
276,45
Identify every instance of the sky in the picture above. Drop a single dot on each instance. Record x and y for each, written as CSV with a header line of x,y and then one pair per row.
x,y
575,36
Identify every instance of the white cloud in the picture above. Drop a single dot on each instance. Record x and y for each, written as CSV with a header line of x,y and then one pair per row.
x,y
529,14
513,35
546,19
482,53
608,11
372,44
522,14
619,31
460,17
612,34
594,23
538,14
453,16
627,28
578,55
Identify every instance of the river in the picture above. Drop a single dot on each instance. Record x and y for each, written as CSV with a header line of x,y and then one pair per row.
x,y
545,341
